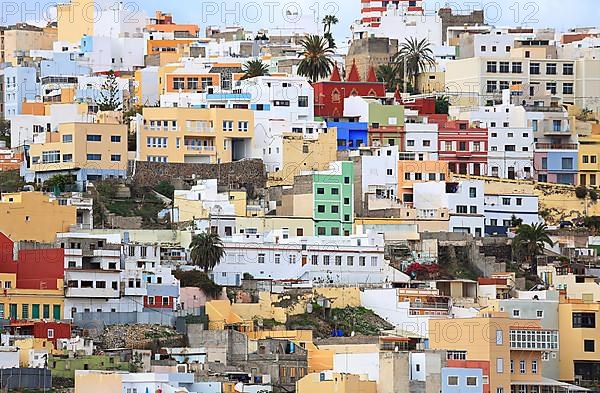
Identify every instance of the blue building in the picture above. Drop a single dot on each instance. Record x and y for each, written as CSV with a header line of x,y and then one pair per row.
x,y
63,64
462,380
20,84
350,135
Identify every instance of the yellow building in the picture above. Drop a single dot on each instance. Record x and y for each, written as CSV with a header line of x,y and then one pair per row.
x,y
589,152
222,317
579,341
75,19
89,151
329,382
512,347
30,304
304,154
31,216
98,381
18,40
194,135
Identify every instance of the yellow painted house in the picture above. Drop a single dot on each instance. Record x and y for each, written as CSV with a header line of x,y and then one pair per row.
x,y
30,304
75,19
32,216
329,382
194,135
579,340
589,155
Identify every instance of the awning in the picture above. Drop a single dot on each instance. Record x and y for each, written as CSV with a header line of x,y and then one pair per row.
x,y
551,382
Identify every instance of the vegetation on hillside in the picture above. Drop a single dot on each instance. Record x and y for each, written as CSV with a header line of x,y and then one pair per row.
x,y
11,181
199,279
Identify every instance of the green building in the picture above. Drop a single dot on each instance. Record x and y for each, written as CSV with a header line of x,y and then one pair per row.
x,y
333,200
63,367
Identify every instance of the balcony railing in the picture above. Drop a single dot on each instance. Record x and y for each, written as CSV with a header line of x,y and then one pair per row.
x,y
200,148
437,306
533,339
554,146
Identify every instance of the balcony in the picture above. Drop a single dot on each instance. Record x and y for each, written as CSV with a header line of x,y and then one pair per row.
x,y
554,146
546,109
200,148
431,306
527,339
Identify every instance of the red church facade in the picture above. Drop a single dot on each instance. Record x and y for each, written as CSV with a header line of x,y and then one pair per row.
x,y
330,95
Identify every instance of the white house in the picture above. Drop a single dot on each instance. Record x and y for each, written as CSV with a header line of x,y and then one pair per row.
x,y
420,142
337,260
464,200
379,170
501,208
511,139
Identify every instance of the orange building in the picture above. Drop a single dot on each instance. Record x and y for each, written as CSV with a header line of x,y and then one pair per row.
x,y
163,23
9,160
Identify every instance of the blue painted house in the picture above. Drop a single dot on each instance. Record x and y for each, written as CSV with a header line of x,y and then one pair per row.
x,y
350,135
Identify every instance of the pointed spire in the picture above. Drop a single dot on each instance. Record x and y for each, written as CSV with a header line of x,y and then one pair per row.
x,y
397,95
372,76
353,75
335,74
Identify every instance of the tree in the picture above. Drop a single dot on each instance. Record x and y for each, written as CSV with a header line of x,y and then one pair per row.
x,y
198,279
207,250
254,68
442,105
328,22
530,242
110,99
417,56
316,60
60,183
515,222
581,192
391,75
165,188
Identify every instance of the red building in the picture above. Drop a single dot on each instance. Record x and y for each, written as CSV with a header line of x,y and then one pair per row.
x,y
35,268
51,331
330,95
464,147
159,302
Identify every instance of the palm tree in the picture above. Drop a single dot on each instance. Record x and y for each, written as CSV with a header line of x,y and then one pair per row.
x,y
531,241
417,56
254,68
207,250
442,105
328,21
389,74
316,60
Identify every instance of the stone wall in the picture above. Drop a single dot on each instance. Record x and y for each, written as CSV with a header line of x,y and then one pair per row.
x,y
246,174
449,19
372,51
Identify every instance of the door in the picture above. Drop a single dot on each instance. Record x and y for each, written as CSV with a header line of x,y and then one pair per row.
x,y
511,172
13,311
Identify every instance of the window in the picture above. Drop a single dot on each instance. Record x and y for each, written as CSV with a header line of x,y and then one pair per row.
x,y
512,366
335,191
539,314
499,365
94,157
115,157
303,101
519,201
374,261
462,146
292,259
67,157
534,368
504,67
461,209
115,138
390,172
335,209
589,346
426,143
471,381
534,69
492,86
452,380
472,192
544,163
94,138
473,210
242,126
281,103
67,138
227,125
516,313
320,191
410,143
492,66
517,68
499,337
567,163
350,260
362,261
321,208
346,180
567,69
584,320
261,258
505,201
277,259
551,87
551,68
568,88
338,260
522,366
326,260
178,83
